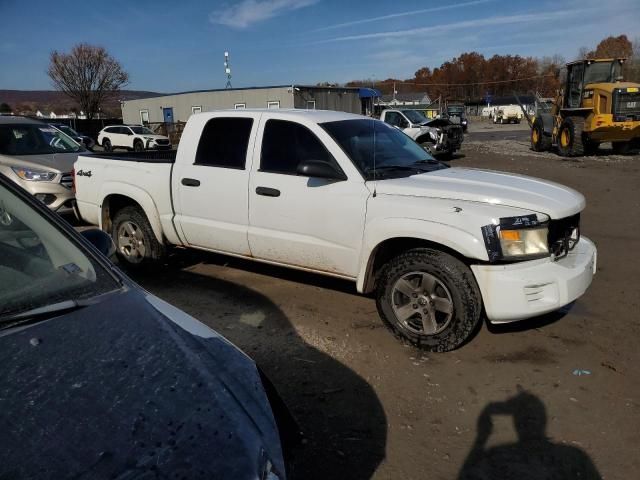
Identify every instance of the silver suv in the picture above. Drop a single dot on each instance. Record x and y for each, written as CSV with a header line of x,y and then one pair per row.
x,y
39,158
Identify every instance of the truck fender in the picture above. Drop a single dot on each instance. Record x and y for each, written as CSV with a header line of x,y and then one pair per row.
x,y
136,195
379,231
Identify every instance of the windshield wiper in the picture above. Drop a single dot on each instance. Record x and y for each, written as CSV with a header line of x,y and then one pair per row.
x,y
40,313
428,161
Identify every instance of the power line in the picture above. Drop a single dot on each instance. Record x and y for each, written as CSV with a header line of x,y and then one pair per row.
x,y
487,82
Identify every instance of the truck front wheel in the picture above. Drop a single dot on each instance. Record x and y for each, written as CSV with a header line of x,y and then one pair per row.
x,y
136,244
430,299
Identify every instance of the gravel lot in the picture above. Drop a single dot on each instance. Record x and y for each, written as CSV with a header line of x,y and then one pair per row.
x,y
372,407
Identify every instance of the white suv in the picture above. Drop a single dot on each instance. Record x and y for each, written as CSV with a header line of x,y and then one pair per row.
x,y
132,137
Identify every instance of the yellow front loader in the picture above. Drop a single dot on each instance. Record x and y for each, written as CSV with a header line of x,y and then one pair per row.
x,y
595,106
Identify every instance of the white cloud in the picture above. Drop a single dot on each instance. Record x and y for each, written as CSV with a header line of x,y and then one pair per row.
x,y
248,12
458,26
403,14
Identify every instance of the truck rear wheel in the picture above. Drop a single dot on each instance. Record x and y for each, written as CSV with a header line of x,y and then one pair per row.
x,y
570,141
136,244
430,299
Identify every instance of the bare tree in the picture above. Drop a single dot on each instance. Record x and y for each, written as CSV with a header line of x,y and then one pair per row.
x,y
88,75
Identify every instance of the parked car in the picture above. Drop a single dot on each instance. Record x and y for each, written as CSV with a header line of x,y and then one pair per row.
x,y
132,137
82,139
438,135
100,379
508,114
351,197
40,159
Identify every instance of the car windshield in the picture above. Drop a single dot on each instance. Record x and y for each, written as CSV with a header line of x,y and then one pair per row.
x,y
394,152
35,139
39,264
415,116
142,131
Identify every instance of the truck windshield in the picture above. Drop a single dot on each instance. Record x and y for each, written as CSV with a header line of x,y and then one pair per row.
x,y
601,72
142,131
35,139
415,116
391,148
40,266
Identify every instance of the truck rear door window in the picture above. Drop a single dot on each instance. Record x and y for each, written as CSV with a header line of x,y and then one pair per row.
x,y
224,142
286,144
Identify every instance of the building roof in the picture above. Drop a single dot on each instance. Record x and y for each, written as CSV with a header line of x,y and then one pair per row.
x,y
213,90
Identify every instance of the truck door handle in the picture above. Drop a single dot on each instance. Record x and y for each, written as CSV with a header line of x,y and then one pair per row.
x,y
190,182
268,192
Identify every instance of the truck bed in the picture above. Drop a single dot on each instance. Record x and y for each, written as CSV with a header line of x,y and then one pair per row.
x,y
143,177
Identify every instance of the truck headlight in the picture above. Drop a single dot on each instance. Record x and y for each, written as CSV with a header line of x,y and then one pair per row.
x,y
517,238
524,242
34,175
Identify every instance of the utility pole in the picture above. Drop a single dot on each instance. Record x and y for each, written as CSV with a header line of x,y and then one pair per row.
x,y
227,69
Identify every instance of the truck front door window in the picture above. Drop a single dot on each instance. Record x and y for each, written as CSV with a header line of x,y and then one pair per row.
x,y
286,144
224,143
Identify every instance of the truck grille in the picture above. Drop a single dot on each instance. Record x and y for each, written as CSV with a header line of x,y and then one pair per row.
x,y
161,141
627,104
67,180
564,234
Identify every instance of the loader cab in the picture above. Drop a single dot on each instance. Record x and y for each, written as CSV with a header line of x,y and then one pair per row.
x,y
587,72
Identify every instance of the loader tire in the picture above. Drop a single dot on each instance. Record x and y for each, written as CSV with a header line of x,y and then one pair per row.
x,y
540,142
570,137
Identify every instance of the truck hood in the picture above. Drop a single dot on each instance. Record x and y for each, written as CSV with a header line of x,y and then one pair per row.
x,y
59,162
484,186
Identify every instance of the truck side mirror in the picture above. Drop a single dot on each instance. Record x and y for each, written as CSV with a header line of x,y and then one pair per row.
x,y
320,169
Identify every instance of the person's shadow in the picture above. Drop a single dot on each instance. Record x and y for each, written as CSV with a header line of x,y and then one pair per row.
x,y
533,456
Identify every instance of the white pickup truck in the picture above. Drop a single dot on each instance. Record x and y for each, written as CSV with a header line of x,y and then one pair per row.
x,y
352,197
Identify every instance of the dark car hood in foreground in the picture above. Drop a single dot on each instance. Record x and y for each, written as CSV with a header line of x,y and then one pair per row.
x,y
121,390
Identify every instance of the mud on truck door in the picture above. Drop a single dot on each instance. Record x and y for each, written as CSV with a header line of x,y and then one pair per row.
x,y
304,220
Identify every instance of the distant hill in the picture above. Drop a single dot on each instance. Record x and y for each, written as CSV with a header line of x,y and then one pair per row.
x,y
52,100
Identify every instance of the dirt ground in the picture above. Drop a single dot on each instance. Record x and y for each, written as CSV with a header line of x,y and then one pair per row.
x,y
559,393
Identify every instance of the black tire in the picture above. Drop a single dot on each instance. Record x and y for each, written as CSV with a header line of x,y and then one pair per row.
x,y
106,144
539,141
573,144
154,251
621,148
138,146
455,281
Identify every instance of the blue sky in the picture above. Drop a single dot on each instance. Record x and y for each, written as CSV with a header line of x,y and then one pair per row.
x,y
170,46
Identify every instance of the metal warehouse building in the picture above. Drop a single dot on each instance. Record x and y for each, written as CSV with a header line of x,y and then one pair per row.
x,y
178,107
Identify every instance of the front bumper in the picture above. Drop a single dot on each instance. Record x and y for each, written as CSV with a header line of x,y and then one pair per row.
x,y
523,290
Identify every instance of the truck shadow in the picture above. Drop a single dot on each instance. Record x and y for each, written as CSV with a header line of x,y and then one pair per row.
x,y
185,258
343,421
532,455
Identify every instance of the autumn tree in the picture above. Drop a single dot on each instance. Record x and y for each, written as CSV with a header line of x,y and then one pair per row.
x,y
88,74
613,47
